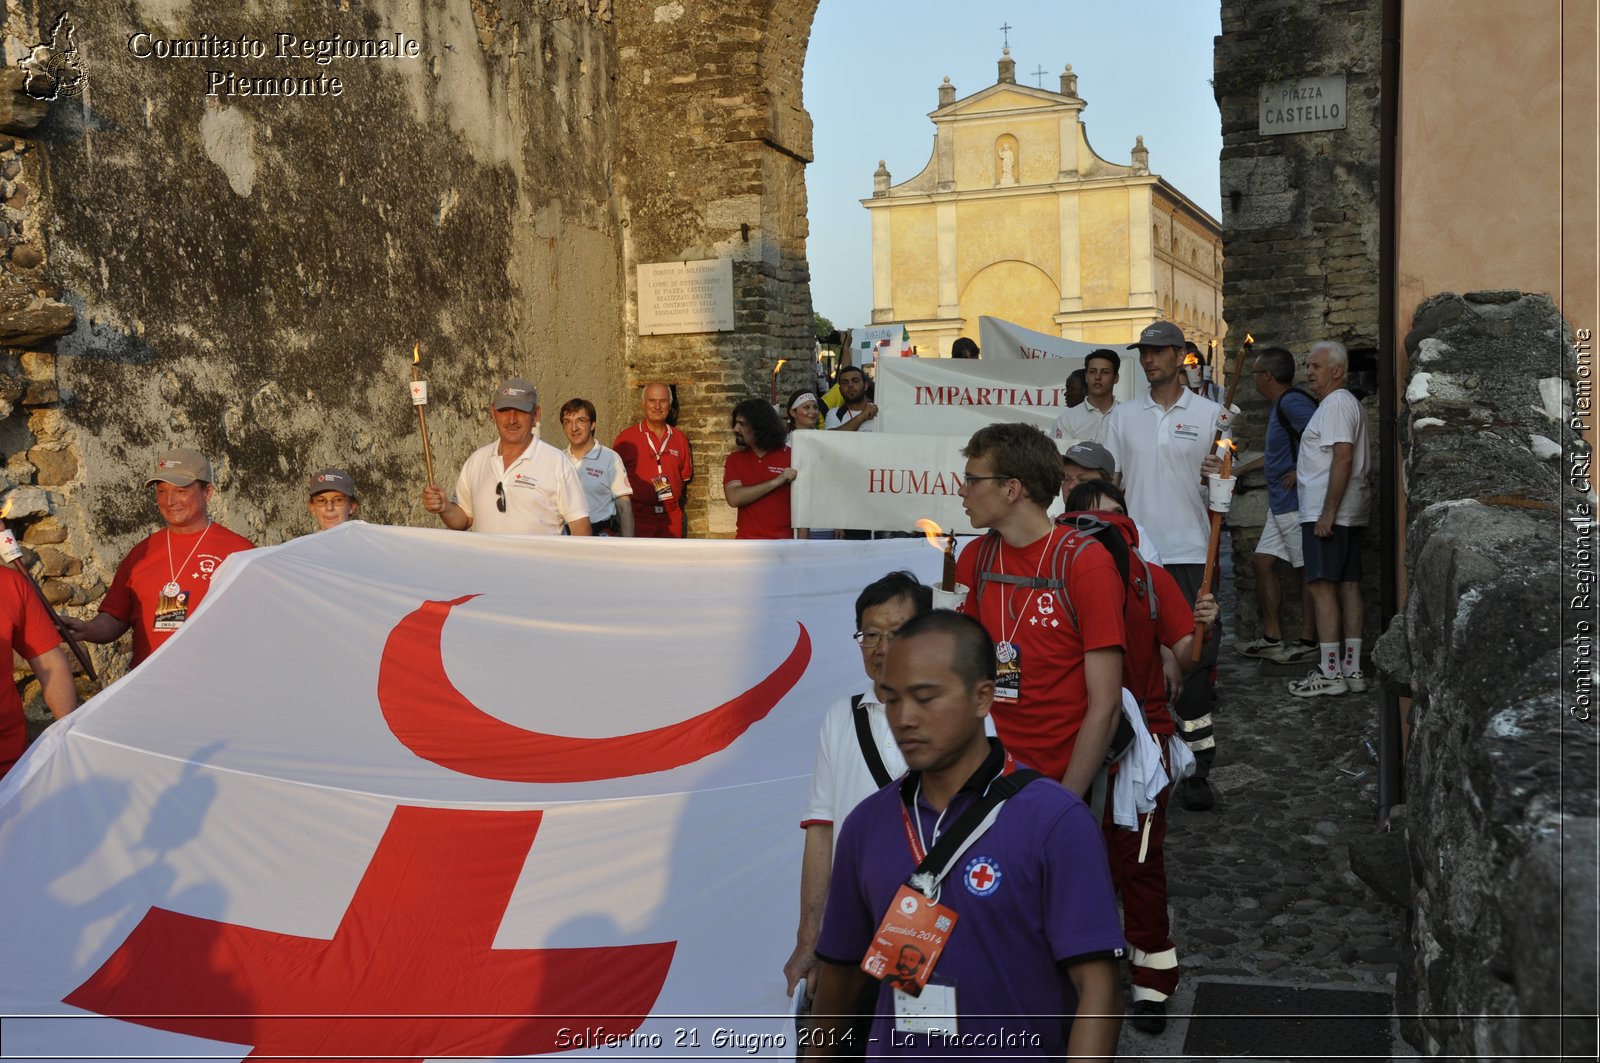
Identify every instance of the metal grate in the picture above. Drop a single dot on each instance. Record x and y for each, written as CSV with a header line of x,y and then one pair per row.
x,y
1278,1022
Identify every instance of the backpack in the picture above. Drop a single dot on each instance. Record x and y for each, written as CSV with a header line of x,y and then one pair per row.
x,y
1067,549
1065,552
1283,419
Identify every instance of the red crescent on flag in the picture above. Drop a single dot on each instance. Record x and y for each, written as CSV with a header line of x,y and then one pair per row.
x,y
436,722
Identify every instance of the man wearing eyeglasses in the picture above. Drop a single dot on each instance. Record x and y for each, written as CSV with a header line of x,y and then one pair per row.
x,y
517,485
842,777
1051,599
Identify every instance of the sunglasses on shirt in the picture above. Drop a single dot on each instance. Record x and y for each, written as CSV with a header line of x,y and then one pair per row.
x,y
500,497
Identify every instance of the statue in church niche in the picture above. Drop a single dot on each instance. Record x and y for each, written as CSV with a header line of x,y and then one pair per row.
x,y
1008,164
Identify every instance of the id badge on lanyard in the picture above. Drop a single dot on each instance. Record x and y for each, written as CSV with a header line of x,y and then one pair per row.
x,y
662,486
1008,671
905,948
172,608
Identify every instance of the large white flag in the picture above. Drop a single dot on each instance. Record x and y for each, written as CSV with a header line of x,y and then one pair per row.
x,y
416,794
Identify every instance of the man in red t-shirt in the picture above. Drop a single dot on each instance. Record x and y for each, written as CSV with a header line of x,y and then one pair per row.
x,y
659,464
160,583
26,625
1059,649
756,477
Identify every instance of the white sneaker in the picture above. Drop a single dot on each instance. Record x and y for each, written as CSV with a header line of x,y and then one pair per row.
x,y
1315,683
1356,681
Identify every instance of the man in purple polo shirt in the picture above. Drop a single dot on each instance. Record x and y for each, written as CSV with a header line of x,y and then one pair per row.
x,y
1036,937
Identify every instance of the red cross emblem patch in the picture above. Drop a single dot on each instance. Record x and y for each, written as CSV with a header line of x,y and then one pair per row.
x,y
982,876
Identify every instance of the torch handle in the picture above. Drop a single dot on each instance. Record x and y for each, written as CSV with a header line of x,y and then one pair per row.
x,y
1233,383
427,450
1205,585
66,635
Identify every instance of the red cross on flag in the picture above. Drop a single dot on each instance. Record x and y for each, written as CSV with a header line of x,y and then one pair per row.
x,y
410,794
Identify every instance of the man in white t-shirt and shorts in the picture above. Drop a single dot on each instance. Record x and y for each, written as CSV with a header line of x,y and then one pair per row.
x,y
1331,474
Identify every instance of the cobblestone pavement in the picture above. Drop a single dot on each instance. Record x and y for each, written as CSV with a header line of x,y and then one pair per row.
x,y
1260,887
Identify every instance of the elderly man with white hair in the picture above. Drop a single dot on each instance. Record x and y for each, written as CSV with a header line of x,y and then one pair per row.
x,y
1331,473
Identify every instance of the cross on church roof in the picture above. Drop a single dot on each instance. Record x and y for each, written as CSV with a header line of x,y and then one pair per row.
x,y
1040,73
1005,30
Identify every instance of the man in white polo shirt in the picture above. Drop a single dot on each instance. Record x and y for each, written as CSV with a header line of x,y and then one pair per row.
x,y
517,485
1162,444
600,471
1086,422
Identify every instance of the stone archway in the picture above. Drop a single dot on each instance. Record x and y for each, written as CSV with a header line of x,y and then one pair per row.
x,y
714,141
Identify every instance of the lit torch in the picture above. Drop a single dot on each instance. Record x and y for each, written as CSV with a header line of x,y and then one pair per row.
x,y
419,399
775,369
1191,368
934,533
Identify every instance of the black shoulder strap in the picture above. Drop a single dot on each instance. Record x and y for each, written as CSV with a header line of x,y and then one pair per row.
x,y
951,843
869,748
1284,423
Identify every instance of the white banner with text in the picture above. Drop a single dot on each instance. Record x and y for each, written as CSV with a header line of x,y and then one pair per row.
x,y
956,397
876,481
1002,341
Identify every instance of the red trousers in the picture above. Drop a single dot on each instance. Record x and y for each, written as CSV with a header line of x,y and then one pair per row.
x,y
648,524
1152,958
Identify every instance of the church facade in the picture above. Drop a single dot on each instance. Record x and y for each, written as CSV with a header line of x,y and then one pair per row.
x,y
1015,216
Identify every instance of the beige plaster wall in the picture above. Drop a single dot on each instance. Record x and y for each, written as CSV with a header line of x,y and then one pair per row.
x,y
914,249
977,144
1104,243
1519,77
1015,291
1010,227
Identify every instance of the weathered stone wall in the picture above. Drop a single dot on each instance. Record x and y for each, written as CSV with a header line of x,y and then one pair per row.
x,y
247,275
714,147
1300,224
1501,769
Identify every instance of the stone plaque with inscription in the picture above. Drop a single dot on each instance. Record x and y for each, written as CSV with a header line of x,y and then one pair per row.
x,y
1306,105
677,297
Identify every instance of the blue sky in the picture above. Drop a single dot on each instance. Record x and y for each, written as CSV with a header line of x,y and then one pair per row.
x,y
873,70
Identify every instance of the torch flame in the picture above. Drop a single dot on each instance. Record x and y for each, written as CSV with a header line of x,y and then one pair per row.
x,y
932,530
416,353
1249,339
779,366
1190,359
1229,444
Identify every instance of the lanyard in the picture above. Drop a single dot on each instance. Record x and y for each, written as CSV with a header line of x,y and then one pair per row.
x,y
172,569
1003,780
1011,598
651,439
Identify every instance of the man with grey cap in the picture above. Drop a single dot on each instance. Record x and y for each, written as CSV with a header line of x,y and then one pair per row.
x,y
1086,462
1162,445
160,583
517,485
333,497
